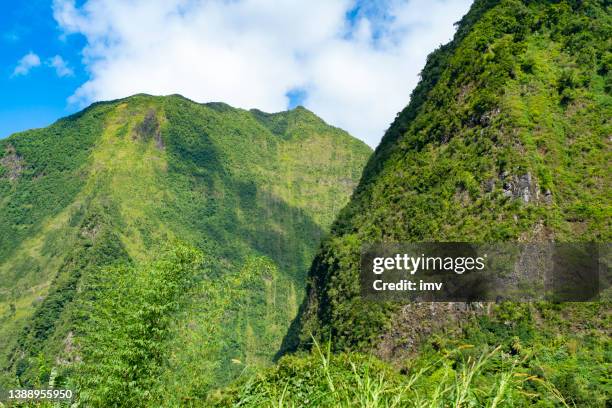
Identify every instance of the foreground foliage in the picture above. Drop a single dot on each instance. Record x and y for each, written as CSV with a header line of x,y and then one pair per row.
x,y
123,344
537,354
456,378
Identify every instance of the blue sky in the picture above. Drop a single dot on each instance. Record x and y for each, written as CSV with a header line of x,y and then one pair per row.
x,y
352,62
39,97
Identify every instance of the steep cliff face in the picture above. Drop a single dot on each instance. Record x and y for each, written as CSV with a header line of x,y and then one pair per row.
x,y
506,138
114,184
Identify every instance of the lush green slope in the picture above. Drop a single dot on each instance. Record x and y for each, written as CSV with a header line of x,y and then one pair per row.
x,y
506,137
99,194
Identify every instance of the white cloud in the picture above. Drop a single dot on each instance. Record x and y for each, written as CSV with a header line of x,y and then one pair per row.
x,y
26,63
61,67
357,73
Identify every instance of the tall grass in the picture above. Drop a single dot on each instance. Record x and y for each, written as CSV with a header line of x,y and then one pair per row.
x,y
323,379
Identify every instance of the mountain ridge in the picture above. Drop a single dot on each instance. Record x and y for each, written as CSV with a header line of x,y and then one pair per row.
x,y
115,182
505,138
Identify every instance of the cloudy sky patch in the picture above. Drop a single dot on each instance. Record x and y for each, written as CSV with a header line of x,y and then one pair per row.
x,y
352,62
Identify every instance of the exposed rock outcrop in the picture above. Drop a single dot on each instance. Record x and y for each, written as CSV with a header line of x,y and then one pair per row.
x,y
12,163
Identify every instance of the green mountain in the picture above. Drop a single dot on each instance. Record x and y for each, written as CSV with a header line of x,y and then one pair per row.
x,y
506,138
175,231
